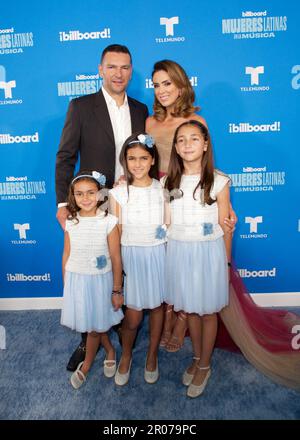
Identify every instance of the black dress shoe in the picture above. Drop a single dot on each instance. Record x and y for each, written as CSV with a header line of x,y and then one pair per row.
x,y
77,357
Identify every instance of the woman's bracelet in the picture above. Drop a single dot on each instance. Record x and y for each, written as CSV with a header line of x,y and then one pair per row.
x,y
117,292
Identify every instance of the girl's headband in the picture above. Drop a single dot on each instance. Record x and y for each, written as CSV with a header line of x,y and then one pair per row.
x,y
144,139
100,178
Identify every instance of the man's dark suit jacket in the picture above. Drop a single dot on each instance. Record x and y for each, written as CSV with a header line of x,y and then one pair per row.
x,y
88,132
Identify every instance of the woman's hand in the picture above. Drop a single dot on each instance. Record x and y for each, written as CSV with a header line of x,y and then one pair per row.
x,y
231,221
120,181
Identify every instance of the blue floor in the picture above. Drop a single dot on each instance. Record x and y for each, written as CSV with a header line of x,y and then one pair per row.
x,y
34,383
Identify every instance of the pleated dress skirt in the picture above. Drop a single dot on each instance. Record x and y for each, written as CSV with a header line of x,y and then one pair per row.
x,y
87,303
144,283
197,276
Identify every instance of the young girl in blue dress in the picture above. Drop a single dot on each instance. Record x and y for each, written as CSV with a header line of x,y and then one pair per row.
x,y
199,245
92,271
139,205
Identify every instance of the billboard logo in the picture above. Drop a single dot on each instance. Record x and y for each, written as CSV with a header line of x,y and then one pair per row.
x,y
245,127
22,277
78,36
253,25
245,273
20,188
253,179
169,24
6,138
149,82
12,42
83,85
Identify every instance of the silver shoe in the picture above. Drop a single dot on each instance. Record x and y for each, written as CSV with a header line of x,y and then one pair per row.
x,y
120,378
188,377
78,378
109,370
151,376
197,390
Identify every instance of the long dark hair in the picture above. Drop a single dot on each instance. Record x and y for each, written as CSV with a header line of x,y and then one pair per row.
x,y
153,172
72,205
176,167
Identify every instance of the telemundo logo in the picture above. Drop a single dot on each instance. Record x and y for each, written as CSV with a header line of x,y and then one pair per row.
x,y
20,139
253,221
245,273
7,87
254,75
22,228
169,24
253,225
78,36
246,127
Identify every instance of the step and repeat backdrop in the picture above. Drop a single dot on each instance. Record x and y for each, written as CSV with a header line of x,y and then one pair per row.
x,y
243,60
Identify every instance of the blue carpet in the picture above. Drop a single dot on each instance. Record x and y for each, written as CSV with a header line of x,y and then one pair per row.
x,y
34,383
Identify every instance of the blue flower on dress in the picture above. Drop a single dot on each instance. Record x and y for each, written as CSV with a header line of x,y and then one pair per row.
x,y
99,262
161,232
207,228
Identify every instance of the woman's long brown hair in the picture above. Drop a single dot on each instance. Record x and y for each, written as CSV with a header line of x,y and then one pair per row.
x,y
184,105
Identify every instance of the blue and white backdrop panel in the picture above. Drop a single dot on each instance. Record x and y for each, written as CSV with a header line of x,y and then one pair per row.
x,y
243,60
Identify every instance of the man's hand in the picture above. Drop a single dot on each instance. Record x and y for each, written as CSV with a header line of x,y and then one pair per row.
x,y
61,215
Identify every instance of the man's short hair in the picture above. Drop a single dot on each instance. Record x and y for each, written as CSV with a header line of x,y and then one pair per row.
x,y
117,48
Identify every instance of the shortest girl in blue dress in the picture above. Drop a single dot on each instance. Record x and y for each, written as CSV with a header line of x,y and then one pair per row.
x,y
139,204
92,271
199,245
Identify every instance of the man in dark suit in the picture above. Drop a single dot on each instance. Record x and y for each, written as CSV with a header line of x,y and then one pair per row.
x,y
95,129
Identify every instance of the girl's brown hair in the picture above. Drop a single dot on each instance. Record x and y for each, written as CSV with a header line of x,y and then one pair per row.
x,y
153,172
176,167
72,205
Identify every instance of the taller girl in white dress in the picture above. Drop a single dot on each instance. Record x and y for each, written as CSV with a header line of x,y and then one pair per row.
x,y
199,245
139,204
